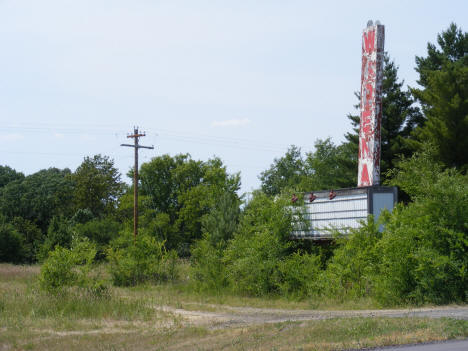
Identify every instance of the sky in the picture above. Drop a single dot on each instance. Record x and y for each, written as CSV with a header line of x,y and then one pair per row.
x,y
241,80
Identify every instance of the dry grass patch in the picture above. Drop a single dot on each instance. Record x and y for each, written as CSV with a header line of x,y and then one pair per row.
x,y
336,334
132,319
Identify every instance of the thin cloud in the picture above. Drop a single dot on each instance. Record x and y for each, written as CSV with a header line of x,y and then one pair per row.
x,y
239,122
11,137
88,137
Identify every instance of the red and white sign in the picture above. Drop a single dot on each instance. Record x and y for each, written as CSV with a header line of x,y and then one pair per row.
x,y
371,104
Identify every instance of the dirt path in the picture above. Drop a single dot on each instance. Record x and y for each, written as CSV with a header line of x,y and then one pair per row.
x,y
225,316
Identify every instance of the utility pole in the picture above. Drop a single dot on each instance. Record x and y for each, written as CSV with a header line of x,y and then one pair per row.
x,y
136,135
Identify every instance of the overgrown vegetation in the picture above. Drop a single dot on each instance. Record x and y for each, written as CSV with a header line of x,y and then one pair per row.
x,y
129,318
190,210
142,259
65,269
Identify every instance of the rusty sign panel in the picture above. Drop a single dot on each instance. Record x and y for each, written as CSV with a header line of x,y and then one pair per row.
x,y
371,104
320,215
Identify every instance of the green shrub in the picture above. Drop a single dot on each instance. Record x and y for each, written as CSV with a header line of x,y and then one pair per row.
x,y
253,263
66,268
260,244
424,246
57,271
260,259
423,259
298,275
219,225
59,233
208,268
351,270
99,231
144,259
170,266
421,255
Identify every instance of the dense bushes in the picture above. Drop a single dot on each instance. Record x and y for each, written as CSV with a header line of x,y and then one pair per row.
x,y
99,231
67,268
419,257
257,260
130,263
350,272
208,268
144,259
44,207
424,246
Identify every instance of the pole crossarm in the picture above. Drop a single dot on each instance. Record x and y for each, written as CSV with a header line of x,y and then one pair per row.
x,y
139,146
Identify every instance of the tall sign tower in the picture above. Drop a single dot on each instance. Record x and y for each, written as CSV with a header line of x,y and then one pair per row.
x,y
371,104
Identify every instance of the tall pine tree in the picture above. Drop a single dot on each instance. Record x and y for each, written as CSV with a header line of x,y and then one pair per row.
x,y
443,76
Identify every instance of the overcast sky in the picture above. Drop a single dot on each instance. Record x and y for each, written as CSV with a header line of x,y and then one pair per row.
x,y
242,80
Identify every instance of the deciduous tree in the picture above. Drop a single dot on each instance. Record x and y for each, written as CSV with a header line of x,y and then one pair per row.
x,y
38,197
286,171
180,192
97,185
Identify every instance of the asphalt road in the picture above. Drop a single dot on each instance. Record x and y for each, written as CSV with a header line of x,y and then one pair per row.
x,y
457,345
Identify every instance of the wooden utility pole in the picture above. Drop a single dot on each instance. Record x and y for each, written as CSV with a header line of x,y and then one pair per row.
x,y
136,146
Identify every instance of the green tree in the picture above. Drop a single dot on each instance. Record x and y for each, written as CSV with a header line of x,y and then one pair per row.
x,y
99,231
329,166
31,236
164,177
399,118
179,192
8,175
38,197
59,233
453,46
444,97
286,171
218,227
11,243
221,222
97,185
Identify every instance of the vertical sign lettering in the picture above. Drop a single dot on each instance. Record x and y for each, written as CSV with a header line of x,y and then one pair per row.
x,y
371,105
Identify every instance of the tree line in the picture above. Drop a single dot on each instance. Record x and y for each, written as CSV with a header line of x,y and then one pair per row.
x,y
49,207
192,208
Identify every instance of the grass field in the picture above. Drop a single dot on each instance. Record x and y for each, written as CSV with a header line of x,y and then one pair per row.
x,y
133,319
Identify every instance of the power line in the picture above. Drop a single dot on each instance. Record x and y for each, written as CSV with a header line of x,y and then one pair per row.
x,y
232,142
